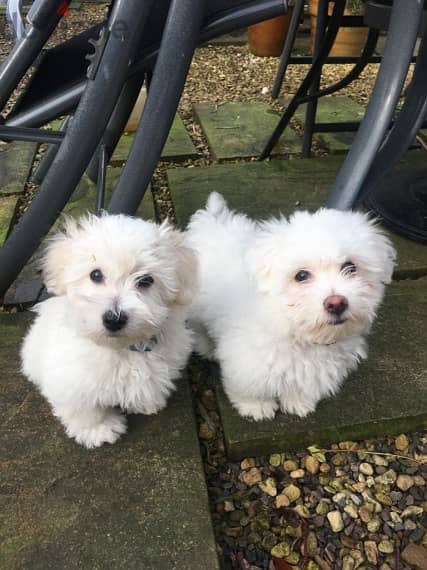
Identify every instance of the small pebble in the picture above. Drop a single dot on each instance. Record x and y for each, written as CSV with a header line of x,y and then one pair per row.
x,y
275,460
269,486
292,492
297,473
251,477
366,468
371,551
380,460
335,520
386,546
412,511
415,555
302,511
401,442
373,525
247,463
290,465
312,464
280,550
282,501
322,508
351,510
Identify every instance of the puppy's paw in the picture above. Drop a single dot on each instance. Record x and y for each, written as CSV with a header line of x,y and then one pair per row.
x,y
299,407
257,409
106,430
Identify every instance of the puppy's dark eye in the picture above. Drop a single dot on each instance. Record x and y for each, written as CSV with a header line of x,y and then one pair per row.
x,y
144,282
348,268
302,275
97,276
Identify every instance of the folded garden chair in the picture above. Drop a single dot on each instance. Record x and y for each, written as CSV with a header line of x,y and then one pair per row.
x,y
140,40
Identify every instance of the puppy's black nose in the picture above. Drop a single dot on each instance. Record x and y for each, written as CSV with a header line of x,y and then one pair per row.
x,y
114,321
335,304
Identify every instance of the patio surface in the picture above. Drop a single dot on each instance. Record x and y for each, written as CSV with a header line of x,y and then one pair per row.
x,y
143,501
140,503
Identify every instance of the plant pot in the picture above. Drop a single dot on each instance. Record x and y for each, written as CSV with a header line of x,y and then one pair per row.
x,y
266,39
349,41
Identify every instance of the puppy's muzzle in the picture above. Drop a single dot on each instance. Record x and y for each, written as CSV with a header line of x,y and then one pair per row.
x,y
114,322
335,305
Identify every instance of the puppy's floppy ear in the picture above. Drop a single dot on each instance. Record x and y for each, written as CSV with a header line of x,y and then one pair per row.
x,y
385,254
261,261
56,258
265,256
185,263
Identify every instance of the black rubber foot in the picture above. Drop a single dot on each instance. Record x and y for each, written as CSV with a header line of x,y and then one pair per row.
x,y
400,200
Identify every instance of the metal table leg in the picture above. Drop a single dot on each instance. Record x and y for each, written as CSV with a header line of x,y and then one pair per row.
x,y
404,130
287,48
179,41
328,40
310,114
397,55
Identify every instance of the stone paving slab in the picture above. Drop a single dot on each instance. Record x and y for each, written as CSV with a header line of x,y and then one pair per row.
x,y
178,145
27,287
16,159
333,109
7,211
266,188
386,395
140,503
238,130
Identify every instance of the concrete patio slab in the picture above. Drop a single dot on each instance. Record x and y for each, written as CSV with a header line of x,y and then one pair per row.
x,y
16,159
333,109
267,188
7,211
140,503
178,145
387,395
238,130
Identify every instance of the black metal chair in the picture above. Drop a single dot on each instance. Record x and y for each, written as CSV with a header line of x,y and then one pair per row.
x,y
401,199
379,143
139,40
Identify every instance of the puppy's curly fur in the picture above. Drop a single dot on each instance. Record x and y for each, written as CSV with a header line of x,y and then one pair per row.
x,y
284,306
114,334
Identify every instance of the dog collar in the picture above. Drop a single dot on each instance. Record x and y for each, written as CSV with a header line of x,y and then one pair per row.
x,y
146,346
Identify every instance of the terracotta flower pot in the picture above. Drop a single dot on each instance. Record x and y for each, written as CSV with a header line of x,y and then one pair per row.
x,y
266,38
349,41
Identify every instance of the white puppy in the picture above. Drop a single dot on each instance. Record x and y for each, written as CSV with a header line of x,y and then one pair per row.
x,y
285,306
114,334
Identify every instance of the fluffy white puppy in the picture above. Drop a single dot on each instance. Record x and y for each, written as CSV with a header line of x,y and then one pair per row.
x,y
114,334
284,306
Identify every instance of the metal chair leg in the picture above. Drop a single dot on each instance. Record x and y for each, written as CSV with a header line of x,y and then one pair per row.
x,y
49,157
397,55
404,130
117,123
180,36
310,114
328,40
287,48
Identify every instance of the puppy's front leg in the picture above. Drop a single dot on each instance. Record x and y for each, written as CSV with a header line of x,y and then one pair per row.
x,y
298,403
91,426
253,408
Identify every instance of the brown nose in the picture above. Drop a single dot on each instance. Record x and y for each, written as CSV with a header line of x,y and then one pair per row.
x,y
335,304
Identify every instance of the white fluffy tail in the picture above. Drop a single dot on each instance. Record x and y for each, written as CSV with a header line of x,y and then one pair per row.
x,y
216,204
